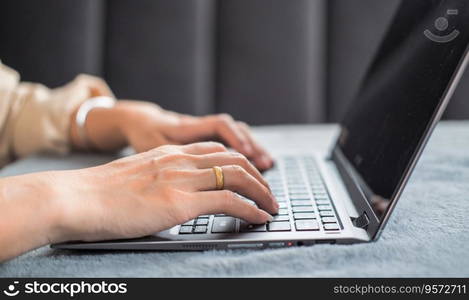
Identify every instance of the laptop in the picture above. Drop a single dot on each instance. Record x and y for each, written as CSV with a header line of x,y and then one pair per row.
x,y
348,194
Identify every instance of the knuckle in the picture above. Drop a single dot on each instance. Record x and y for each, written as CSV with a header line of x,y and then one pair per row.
x,y
240,159
168,148
217,146
243,124
229,198
154,161
176,157
239,175
225,118
181,156
237,170
161,150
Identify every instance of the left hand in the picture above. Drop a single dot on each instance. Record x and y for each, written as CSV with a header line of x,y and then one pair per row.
x,y
146,126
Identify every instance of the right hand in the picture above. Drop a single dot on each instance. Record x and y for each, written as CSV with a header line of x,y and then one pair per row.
x,y
156,190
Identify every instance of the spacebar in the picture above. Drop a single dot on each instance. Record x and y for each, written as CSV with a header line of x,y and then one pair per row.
x,y
224,225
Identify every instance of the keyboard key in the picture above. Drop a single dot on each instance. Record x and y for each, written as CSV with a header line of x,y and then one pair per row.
x,y
200,229
223,225
321,202
185,229
295,186
319,195
306,225
282,205
204,217
278,218
329,220
318,187
298,191
245,227
301,216
302,209
323,207
299,197
331,226
279,226
301,203
201,222
299,194
326,213
281,199
278,193
282,211
319,191
189,223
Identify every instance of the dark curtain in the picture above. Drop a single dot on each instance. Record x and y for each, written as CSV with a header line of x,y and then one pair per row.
x,y
264,61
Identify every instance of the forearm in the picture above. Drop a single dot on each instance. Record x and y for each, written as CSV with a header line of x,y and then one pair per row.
x,y
38,209
28,214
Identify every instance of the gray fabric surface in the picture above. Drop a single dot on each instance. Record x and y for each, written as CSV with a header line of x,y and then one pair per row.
x,y
428,235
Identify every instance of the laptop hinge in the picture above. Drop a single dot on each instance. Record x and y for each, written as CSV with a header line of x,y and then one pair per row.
x,y
362,221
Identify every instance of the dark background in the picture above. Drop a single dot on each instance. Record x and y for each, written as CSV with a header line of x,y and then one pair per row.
x,y
264,61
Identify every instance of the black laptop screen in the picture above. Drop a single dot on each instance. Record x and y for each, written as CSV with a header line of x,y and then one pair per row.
x,y
401,93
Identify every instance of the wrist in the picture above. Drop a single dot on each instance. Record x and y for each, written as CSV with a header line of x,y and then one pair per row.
x,y
126,115
77,208
31,208
104,130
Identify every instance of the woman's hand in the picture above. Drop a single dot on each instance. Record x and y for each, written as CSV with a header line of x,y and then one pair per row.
x,y
158,189
146,126
130,197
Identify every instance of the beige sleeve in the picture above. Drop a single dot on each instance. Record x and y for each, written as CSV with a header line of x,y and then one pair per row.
x,y
37,118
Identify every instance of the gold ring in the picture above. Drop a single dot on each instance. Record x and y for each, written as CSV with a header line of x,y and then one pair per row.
x,y
219,178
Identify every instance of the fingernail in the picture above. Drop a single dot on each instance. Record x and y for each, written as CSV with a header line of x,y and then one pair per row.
x,y
266,161
272,197
267,217
277,208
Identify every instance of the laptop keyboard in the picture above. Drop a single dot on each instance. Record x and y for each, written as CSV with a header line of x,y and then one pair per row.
x,y
304,202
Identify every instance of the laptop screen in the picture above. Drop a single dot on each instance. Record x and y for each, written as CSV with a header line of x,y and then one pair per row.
x,y
402,91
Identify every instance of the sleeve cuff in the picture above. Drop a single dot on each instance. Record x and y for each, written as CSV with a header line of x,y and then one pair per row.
x,y
43,123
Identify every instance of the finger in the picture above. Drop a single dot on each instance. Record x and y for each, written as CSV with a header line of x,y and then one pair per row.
x,y
260,156
238,180
229,158
96,85
228,131
226,202
220,126
203,148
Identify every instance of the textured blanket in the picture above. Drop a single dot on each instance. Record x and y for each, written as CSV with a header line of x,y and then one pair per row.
x,y
428,234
